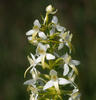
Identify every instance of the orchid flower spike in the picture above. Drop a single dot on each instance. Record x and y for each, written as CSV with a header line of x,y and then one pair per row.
x,y
50,71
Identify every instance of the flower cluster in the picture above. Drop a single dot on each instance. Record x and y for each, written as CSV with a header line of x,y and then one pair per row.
x,y
52,68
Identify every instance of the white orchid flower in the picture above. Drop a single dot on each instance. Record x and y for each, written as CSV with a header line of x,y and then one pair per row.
x,y
69,62
33,62
75,95
55,81
33,32
33,96
65,39
36,78
36,30
57,26
41,52
32,87
34,93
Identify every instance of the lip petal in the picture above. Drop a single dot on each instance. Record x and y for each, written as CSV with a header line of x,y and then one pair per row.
x,y
49,56
49,84
30,32
66,69
63,81
42,35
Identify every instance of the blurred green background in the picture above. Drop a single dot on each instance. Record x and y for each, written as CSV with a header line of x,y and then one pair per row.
x,y
17,16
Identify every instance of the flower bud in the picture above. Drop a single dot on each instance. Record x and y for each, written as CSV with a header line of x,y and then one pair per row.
x,y
49,9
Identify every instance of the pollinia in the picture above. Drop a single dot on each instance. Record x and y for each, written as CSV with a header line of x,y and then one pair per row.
x,y
54,75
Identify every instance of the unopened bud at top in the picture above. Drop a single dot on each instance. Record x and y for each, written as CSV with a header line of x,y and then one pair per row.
x,y
49,9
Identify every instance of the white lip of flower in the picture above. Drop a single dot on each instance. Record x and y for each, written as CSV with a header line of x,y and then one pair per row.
x,y
75,95
33,62
55,81
41,51
33,32
69,62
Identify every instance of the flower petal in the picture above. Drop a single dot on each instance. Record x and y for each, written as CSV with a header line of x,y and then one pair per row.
x,y
42,48
74,68
48,85
75,62
70,74
30,82
61,45
33,57
75,90
63,81
42,35
43,61
66,69
59,28
30,38
37,23
30,61
39,59
36,97
66,56
49,56
56,85
52,31
70,98
30,32
55,20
